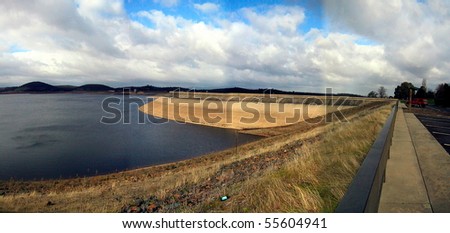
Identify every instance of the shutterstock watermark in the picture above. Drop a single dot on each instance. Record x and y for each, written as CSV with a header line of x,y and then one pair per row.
x,y
225,109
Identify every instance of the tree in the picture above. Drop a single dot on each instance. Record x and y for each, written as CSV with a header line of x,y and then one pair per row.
x,y
442,96
402,91
421,92
372,94
382,92
424,83
430,94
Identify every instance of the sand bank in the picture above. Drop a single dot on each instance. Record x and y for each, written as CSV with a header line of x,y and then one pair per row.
x,y
234,114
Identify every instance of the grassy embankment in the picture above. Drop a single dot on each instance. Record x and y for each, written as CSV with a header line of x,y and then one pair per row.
x,y
301,171
317,176
314,177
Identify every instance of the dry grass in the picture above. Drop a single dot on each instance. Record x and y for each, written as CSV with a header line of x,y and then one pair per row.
x,y
317,176
234,114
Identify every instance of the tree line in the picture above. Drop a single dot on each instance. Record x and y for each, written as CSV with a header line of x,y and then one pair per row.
x,y
441,94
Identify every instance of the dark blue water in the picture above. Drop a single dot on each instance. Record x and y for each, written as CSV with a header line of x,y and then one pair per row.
x,y
61,136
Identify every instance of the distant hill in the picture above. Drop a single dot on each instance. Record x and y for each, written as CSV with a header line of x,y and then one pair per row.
x,y
40,87
7,89
37,87
150,88
66,87
268,91
94,87
231,90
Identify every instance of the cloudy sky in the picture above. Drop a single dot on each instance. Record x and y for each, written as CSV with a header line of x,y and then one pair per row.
x,y
351,46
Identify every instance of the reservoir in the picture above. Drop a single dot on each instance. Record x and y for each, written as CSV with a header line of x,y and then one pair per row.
x,y
48,136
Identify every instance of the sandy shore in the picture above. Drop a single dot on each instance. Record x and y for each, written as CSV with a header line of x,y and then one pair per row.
x,y
234,114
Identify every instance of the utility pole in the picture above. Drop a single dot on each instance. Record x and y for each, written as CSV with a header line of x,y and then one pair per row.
x,y
410,96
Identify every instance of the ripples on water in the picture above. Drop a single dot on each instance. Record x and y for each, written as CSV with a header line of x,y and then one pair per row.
x,y
60,136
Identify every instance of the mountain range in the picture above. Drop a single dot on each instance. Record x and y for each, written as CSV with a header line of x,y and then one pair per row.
x,y
41,87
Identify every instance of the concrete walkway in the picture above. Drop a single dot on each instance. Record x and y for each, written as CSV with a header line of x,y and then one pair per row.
x,y
404,190
434,162
418,171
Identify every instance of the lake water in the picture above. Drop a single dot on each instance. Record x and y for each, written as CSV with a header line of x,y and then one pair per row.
x,y
61,136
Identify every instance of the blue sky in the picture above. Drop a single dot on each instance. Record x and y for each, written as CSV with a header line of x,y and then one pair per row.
x,y
227,9
351,46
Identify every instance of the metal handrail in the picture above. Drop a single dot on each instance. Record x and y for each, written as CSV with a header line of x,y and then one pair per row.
x,y
363,194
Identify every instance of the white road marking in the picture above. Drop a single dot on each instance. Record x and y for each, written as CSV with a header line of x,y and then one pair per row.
x,y
436,119
441,133
435,126
446,144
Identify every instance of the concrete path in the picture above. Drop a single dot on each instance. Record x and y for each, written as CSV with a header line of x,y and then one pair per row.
x,y
404,190
434,162
418,171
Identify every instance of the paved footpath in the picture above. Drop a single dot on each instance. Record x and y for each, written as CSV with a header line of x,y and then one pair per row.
x,y
417,172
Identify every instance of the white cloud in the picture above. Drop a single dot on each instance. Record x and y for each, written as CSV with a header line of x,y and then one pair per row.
x,y
207,7
102,8
414,34
278,19
95,41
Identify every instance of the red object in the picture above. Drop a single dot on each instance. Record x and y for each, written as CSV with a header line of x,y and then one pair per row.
x,y
421,102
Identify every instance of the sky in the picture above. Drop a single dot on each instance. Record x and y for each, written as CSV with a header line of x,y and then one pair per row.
x,y
351,46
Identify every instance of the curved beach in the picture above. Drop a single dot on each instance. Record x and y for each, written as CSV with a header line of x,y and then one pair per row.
x,y
234,114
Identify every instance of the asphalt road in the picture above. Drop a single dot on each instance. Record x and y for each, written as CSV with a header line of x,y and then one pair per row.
x,y
440,109
439,127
